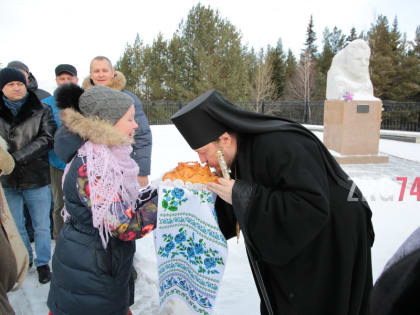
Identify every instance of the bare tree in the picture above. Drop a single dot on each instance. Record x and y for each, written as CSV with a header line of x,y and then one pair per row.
x,y
263,88
302,85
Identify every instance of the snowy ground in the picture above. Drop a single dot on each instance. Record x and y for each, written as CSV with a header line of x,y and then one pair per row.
x,y
393,221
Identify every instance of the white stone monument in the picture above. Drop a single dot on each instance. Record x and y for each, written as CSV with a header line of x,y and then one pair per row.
x,y
349,73
352,114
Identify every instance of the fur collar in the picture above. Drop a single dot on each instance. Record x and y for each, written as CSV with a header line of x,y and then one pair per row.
x,y
28,109
117,83
93,129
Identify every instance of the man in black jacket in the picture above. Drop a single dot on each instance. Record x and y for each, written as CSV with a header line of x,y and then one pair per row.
x,y
31,85
31,82
28,126
307,230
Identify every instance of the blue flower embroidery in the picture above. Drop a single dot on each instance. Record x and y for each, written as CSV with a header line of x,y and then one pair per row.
x,y
172,199
169,246
198,248
196,253
210,262
190,252
178,193
180,237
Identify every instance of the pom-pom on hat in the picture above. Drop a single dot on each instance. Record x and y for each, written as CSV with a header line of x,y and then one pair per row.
x,y
9,75
105,103
67,96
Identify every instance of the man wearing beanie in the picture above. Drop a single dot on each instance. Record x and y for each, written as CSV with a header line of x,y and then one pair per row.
x,y
64,73
31,85
28,127
31,82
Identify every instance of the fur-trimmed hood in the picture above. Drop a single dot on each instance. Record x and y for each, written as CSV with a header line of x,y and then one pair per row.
x,y
117,83
93,129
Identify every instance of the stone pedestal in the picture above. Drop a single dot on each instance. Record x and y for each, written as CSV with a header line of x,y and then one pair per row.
x,y
351,129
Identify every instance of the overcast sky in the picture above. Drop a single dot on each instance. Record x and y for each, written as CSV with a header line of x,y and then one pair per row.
x,y
45,33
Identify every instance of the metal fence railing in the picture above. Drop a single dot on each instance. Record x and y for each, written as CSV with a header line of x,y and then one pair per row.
x,y
401,116
395,116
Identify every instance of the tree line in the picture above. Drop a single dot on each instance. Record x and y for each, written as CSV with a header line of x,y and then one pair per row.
x,y
206,51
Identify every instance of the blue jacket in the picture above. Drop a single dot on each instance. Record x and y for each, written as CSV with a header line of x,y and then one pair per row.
x,y
54,160
86,278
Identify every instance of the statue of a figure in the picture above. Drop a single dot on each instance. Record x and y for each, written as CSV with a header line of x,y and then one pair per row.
x,y
348,77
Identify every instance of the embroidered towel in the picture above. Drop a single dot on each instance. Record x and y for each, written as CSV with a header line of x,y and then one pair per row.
x,y
191,250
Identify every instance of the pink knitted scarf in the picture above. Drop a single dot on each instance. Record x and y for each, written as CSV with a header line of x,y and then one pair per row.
x,y
112,176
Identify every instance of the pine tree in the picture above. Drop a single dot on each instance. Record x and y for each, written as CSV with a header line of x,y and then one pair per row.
x,y
394,73
310,46
277,59
333,42
323,64
214,55
337,40
352,36
156,69
415,44
177,79
252,66
381,63
303,81
291,65
414,57
132,66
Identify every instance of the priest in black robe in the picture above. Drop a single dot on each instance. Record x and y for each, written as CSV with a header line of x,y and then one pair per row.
x,y
306,225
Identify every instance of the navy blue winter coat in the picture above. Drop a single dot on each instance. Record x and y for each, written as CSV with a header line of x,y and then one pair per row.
x,y
87,279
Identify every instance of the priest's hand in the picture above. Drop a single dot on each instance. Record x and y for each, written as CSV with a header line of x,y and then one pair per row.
x,y
223,189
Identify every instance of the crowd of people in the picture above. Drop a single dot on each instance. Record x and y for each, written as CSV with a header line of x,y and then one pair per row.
x,y
89,149
29,120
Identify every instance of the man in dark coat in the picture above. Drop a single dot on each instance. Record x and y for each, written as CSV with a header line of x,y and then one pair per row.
x,y
88,278
32,83
307,230
28,126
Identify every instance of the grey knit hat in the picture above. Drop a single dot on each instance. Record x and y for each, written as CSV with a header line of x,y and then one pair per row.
x,y
105,103
18,65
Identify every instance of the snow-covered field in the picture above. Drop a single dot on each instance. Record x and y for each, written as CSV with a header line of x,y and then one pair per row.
x,y
393,221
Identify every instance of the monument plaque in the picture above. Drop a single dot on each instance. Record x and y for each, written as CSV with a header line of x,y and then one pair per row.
x,y
362,108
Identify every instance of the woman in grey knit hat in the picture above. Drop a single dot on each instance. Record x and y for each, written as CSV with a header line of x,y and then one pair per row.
x,y
105,211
